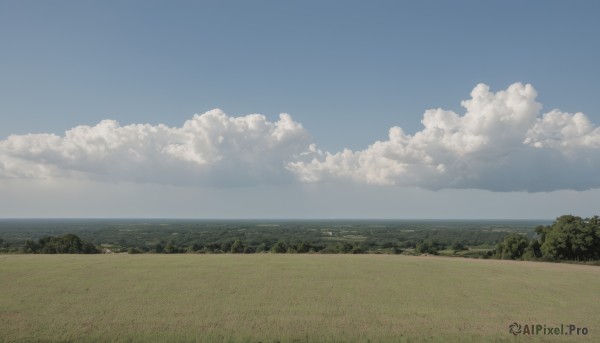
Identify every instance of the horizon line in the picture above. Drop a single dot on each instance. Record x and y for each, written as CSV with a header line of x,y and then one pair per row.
x,y
270,219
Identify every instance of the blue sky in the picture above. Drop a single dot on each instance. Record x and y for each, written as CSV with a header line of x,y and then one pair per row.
x,y
346,71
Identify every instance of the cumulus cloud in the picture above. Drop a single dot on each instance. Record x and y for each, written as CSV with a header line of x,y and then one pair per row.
x,y
209,149
501,143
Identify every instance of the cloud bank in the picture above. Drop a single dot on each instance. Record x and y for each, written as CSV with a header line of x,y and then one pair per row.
x,y
501,143
209,149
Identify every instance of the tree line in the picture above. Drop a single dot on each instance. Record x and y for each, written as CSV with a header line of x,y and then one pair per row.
x,y
64,244
241,247
569,238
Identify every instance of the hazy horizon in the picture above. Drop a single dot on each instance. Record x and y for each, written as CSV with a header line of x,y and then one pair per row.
x,y
157,219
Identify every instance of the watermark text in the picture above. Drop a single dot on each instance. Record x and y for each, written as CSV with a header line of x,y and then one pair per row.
x,y
547,330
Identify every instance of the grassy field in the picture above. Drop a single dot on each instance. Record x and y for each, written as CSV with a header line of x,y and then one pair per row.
x,y
289,298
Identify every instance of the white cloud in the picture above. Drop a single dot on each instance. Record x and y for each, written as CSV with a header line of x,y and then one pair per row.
x,y
501,143
209,149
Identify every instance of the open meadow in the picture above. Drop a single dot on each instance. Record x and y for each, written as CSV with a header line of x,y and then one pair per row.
x,y
290,298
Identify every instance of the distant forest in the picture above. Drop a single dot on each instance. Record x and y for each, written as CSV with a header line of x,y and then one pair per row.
x,y
568,238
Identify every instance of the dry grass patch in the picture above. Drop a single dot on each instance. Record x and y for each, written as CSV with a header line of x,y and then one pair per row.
x,y
288,298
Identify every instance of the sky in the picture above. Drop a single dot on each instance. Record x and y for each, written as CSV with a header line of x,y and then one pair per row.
x,y
307,109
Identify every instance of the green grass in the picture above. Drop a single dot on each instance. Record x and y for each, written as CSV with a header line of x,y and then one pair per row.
x,y
289,298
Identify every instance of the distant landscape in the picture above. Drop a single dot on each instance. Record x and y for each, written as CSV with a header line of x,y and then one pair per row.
x,y
568,238
466,238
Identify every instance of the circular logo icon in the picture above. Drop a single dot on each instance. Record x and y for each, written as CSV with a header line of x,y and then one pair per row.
x,y
515,328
